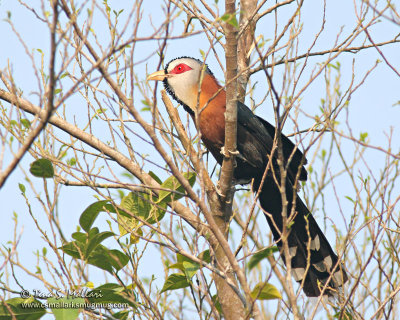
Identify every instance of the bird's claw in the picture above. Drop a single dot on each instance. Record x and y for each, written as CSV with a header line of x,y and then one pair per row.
x,y
223,196
228,153
240,181
218,190
224,153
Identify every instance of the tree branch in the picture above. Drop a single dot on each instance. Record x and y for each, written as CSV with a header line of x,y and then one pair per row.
x,y
50,101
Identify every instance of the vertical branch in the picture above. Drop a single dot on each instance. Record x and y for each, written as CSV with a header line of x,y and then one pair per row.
x,y
230,303
231,107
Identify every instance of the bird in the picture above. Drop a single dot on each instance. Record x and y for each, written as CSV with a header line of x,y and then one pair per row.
x,y
314,264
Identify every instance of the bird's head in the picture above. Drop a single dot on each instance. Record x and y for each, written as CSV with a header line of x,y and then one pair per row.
x,y
184,78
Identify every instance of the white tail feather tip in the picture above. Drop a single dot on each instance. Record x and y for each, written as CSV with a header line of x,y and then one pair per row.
x,y
315,243
324,265
298,273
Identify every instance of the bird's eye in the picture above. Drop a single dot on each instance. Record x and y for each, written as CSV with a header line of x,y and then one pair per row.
x,y
180,68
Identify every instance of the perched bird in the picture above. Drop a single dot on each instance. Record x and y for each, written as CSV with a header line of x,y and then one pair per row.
x,y
313,262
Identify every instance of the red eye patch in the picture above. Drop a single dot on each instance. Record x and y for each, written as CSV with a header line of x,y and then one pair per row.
x,y
180,68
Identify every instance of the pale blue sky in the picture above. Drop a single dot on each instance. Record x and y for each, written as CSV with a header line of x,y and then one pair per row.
x,y
371,107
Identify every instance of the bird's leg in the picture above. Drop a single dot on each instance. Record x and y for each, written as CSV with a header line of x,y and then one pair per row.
x,y
228,153
224,152
218,189
242,182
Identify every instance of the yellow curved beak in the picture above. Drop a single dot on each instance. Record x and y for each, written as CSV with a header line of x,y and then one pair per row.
x,y
157,76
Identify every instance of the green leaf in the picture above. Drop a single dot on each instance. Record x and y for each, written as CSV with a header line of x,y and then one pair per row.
x,y
217,305
74,249
137,203
140,205
123,315
175,281
181,258
62,152
155,177
190,268
135,239
112,293
346,315
119,259
157,213
33,312
26,123
176,266
57,91
22,187
130,225
231,19
90,214
175,190
205,256
64,75
42,168
68,312
186,265
100,257
95,240
127,224
265,291
146,102
128,175
71,162
363,136
257,257
203,54
145,109
108,259
80,236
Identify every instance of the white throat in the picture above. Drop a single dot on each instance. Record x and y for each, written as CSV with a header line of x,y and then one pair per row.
x,y
186,85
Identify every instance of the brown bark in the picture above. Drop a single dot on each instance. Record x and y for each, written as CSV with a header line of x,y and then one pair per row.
x,y
231,305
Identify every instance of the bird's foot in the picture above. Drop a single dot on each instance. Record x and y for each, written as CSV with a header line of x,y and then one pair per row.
x,y
224,152
228,153
224,196
242,181
219,191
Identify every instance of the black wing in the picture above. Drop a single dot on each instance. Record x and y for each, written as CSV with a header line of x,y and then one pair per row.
x,y
255,138
298,159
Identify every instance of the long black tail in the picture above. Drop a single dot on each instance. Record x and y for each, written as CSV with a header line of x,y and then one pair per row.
x,y
313,262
